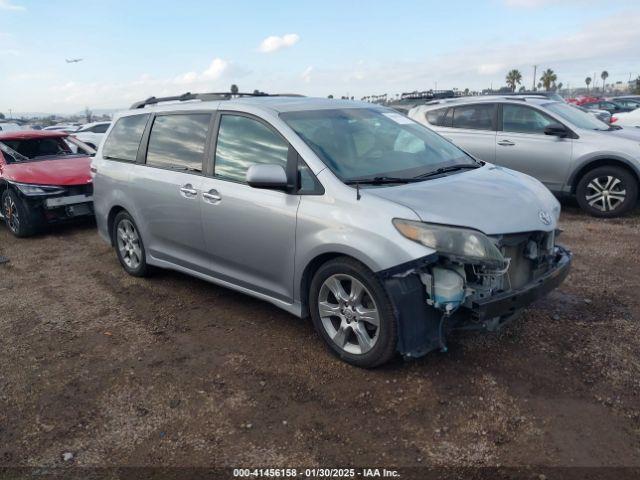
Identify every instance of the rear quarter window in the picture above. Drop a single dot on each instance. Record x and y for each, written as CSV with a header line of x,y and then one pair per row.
x,y
437,117
124,140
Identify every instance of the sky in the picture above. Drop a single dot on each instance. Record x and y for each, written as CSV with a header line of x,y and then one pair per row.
x,y
135,49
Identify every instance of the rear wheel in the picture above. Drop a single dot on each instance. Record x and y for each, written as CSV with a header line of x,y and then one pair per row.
x,y
352,313
607,191
129,245
20,219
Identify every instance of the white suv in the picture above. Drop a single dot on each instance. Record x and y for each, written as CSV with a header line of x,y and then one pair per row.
x,y
570,151
92,133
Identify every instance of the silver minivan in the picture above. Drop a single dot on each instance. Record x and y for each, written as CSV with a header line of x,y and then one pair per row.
x,y
570,151
385,234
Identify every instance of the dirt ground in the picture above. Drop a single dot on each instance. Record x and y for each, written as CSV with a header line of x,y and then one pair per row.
x,y
114,370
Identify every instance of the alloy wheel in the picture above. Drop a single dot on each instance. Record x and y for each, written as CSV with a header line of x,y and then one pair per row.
x,y
129,244
349,314
605,193
11,214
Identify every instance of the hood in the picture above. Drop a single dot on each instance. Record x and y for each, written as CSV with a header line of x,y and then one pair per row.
x,y
64,172
491,199
630,133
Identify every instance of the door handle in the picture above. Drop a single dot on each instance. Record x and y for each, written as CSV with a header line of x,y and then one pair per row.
x,y
506,143
188,190
212,196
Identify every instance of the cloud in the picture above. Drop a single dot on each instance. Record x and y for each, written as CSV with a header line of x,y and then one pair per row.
x,y
7,5
71,95
216,69
9,52
275,43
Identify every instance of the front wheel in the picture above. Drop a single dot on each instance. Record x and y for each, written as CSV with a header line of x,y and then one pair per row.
x,y
607,192
20,220
352,313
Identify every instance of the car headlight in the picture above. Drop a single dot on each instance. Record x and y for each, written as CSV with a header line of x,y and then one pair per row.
x,y
453,241
36,190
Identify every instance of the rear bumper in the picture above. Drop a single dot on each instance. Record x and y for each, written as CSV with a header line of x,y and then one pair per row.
x,y
507,303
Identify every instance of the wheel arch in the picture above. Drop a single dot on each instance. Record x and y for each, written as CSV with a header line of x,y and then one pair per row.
x,y
310,270
607,161
115,210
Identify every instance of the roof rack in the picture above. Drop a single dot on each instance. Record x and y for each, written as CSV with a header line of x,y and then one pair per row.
x,y
207,97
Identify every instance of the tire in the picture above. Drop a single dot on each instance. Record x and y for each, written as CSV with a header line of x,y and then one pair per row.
x,y
21,220
348,324
129,245
607,191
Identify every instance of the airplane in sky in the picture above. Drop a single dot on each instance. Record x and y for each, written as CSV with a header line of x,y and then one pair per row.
x,y
73,60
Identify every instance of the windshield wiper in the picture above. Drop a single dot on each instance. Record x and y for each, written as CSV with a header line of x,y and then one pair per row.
x,y
380,180
440,171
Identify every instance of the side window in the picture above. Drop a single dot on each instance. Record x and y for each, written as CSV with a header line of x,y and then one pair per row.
x,y
124,139
243,142
100,128
521,119
437,117
178,141
474,117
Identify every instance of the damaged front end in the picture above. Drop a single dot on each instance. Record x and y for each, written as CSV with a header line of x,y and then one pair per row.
x,y
473,281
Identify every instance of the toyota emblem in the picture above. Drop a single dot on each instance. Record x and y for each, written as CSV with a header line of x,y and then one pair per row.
x,y
544,217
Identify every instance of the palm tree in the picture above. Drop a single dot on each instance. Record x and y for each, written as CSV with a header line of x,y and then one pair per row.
x,y
514,77
588,82
234,89
547,78
560,86
604,75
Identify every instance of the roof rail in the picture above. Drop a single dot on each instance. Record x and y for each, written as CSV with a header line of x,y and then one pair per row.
x,y
206,97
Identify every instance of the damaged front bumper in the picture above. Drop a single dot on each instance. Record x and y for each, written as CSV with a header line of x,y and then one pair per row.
x,y
422,327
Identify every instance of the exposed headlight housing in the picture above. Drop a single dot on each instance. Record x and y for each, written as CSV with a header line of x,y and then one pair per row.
x,y
32,190
469,245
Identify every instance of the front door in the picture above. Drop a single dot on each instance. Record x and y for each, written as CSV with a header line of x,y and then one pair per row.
x,y
249,232
523,146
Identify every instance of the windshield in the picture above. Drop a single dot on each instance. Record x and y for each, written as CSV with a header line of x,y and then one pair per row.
x,y
22,150
576,116
363,143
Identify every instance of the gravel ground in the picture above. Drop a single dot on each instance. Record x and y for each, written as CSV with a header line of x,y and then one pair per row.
x,y
100,369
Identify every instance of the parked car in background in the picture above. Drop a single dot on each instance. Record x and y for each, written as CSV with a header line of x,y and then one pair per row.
x,y
570,151
602,115
92,133
9,127
628,102
628,119
608,105
62,128
383,232
581,99
42,181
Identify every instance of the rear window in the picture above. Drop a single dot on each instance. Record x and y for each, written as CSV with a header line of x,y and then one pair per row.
x,y
178,141
124,139
474,117
437,117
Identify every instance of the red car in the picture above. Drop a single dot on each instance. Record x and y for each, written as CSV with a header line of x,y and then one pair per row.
x,y
42,180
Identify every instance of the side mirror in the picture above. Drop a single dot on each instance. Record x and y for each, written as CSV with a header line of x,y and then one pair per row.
x,y
556,129
267,176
